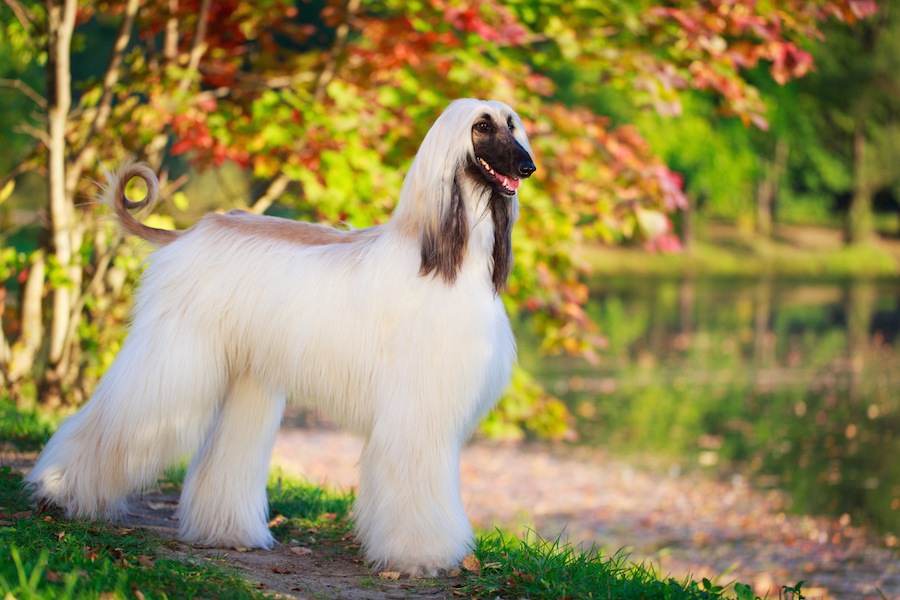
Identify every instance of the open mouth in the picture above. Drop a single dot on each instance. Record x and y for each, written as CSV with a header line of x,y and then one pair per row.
x,y
507,185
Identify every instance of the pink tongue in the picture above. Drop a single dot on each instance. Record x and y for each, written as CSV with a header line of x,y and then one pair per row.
x,y
510,183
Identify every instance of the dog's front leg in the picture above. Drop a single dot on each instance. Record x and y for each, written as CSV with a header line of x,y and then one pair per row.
x,y
223,502
409,513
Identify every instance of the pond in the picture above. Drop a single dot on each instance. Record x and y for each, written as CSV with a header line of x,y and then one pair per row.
x,y
791,384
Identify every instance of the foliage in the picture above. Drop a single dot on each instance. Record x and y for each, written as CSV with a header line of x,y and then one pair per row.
x,y
322,104
855,96
24,429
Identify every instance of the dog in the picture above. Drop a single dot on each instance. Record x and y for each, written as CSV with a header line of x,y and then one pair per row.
x,y
396,331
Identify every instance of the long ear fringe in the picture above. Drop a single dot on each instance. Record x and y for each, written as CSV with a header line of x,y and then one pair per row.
x,y
443,249
431,201
504,214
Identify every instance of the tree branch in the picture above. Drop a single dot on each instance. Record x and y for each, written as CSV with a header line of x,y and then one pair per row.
x,y
27,90
280,183
340,39
275,189
198,45
104,108
170,40
23,13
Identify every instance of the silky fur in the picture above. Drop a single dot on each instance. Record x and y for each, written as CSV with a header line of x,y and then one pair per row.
x,y
396,331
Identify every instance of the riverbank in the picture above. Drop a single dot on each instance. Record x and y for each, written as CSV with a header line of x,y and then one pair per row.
x,y
686,524
725,250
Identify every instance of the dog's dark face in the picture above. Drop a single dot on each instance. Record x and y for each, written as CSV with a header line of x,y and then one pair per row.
x,y
499,158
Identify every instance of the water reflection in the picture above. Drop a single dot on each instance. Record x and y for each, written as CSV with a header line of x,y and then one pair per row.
x,y
794,384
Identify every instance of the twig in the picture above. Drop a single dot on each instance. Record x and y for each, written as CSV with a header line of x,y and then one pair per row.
x,y
198,45
340,39
27,90
23,13
104,108
280,183
38,134
275,189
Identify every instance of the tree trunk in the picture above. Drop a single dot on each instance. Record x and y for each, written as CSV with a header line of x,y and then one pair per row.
x,y
61,24
688,229
859,224
767,191
24,350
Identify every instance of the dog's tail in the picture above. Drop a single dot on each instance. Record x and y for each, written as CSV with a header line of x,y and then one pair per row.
x,y
113,195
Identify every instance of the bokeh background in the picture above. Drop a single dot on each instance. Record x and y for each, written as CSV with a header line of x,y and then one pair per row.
x,y
706,260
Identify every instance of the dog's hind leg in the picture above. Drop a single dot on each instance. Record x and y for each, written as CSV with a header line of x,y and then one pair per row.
x,y
223,502
149,410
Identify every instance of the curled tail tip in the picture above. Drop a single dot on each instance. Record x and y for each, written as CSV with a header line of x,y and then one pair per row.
x,y
114,196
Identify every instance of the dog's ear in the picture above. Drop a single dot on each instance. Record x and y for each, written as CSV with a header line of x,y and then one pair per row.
x,y
444,240
504,213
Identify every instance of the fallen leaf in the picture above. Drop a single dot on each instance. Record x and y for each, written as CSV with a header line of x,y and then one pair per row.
x,y
282,570
390,575
48,519
278,521
22,515
241,549
454,573
60,535
53,577
300,550
145,561
90,553
471,563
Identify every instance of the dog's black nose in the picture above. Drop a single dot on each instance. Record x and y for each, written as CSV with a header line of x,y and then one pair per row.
x,y
526,168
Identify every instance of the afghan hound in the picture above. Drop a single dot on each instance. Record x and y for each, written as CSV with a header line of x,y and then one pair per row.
x,y
396,331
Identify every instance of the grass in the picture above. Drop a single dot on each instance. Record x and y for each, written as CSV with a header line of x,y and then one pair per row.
x,y
509,567
42,556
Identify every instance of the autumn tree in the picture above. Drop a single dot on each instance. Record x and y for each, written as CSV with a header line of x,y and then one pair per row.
x,y
854,101
322,105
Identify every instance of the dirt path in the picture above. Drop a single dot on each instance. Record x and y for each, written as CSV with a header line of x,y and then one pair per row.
x,y
682,524
283,571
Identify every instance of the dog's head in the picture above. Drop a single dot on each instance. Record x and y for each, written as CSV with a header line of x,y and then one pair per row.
x,y
472,161
499,149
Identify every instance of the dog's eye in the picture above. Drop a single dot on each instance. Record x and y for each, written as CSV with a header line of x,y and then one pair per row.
x,y
510,124
484,127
